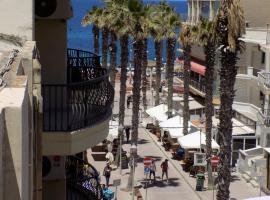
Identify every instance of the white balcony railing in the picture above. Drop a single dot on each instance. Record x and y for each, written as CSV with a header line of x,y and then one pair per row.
x,y
264,117
264,78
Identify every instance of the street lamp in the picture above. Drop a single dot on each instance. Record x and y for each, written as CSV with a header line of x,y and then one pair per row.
x,y
120,132
201,126
133,152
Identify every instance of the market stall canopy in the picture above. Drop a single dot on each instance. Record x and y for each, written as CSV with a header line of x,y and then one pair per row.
x,y
174,126
238,127
181,98
193,105
113,130
158,112
192,141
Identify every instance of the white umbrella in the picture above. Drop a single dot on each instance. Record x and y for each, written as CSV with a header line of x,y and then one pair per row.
x,y
174,126
192,141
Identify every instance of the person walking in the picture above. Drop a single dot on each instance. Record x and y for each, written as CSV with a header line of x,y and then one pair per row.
x,y
127,133
128,101
153,170
164,167
107,173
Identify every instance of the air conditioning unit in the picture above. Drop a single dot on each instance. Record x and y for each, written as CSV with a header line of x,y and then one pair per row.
x,y
53,167
53,9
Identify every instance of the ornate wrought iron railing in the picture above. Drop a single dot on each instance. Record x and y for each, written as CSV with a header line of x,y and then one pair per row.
x,y
80,58
69,107
199,85
83,181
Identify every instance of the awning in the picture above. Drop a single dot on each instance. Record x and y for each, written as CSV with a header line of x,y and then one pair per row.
x,y
158,112
113,130
195,67
192,141
193,105
174,126
238,127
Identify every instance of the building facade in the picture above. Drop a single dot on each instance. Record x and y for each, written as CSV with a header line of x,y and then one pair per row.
x,y
55,103
251,103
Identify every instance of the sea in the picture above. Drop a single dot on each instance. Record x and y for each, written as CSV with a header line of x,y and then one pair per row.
x,y
80,37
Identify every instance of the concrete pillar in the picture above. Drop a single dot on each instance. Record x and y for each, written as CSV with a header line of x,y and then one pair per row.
x,y
249,55
266,104
211,10
250,71
267,61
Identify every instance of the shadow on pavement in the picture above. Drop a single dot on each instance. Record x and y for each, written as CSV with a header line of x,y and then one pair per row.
x,y
143,141
235,178
173,182
156,158
98,156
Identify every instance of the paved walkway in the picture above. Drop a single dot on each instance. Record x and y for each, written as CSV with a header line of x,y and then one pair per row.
x,y
180,185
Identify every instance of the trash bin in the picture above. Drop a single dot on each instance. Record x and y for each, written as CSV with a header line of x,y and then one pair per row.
x,y
200,182
108,194
124,162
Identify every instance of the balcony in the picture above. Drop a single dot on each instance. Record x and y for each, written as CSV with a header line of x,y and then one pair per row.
x,y
82,180
196,87
264,117
264,81
76,115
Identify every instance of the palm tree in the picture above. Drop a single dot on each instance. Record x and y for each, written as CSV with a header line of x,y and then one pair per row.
x,y
185,38
144,77
157,23
95,31
93,17
104,46
119,11
203,35
113,57
136,9
173,21
229,28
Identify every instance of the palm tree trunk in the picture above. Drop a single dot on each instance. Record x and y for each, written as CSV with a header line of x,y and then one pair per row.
x,y
158,52
123,80
95,31
228,74
187,49
123,77
144,78
138,46
105,35
209,50
113,50
170,69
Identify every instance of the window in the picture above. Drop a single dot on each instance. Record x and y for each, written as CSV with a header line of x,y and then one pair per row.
x,y
238,144
263,58
250,143
267,143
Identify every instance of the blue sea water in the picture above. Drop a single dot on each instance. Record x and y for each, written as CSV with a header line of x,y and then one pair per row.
x,y
80,37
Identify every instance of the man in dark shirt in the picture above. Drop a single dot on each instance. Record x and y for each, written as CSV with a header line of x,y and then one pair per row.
x,y
127,133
